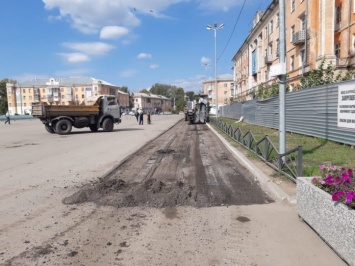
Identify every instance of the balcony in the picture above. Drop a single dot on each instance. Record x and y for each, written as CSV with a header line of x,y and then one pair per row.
x,y
268,59
299,37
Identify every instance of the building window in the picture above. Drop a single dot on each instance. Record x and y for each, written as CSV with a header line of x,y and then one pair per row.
x,y
292,32
338,14
292,63
277,20
292,5
266,32
24,104
30,97
24,90
302,57
337,50
271,26
302,23
24,97
353,43
225,85
82,96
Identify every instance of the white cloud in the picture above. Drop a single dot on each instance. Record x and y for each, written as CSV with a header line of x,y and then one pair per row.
x,y
113,32
153,66
75,57
205,61
90,15
223,5
128,73
95,48
144,56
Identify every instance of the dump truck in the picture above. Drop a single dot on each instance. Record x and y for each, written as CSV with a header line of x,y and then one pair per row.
x,y
197,110
96,112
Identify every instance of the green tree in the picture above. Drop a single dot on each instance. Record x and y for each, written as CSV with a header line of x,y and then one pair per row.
x,y
144,91
161,89
124,89
3,95
190,95
323,75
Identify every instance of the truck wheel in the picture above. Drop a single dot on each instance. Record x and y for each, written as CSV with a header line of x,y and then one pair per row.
x,y
107,125
49,128
63,127
93,128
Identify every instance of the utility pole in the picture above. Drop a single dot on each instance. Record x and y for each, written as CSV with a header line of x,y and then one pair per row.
x,y
282,82
215,28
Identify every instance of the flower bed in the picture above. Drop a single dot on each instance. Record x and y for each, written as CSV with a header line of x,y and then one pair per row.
x,y
333,220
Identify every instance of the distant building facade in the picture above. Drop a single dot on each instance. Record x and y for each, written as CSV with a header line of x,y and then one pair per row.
x,y
62,91
315,30
150,102
225,88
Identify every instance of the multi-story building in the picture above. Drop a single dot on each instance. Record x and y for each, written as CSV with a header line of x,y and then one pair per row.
x,y
315,30
225,90
63,91
150,102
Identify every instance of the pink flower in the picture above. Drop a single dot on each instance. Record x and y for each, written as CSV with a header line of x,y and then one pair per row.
x,y
322,167
314,180
337,195
349,197
346,177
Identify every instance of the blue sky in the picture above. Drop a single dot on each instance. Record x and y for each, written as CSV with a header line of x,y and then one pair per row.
x,y
133,43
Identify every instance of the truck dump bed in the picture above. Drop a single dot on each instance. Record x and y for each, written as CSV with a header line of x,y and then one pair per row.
x,y
45,111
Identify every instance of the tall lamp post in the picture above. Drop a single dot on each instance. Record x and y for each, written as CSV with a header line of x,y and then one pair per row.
x,y
215,28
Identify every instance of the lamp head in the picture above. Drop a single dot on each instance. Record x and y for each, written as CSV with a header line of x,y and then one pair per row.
x,y
209,27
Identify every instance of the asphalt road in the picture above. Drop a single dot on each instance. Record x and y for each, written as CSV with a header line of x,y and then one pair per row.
x,y
39,170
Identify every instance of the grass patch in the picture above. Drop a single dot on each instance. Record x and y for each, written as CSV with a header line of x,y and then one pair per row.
x,y
316,151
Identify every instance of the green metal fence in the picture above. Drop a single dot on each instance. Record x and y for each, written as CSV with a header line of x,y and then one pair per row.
x,y
288,164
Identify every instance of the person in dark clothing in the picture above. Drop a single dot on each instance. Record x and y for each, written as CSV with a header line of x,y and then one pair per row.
x,y
140,112
148,118
136,115
7,118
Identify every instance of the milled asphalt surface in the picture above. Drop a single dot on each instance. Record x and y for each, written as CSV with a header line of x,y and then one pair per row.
x,y
263,179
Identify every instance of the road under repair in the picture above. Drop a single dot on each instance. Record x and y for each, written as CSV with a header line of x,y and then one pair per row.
x,y
181,199
186,166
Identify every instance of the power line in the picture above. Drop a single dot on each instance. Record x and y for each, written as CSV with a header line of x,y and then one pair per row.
x,y
235,24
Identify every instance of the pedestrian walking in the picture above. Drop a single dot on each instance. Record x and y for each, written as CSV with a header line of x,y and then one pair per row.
x,y
140,112
148,118
136,114
7,115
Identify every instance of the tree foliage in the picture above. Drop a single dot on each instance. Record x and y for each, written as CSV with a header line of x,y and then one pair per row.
x,y
190,95
3,95
144,91
124,89
316,77
323,75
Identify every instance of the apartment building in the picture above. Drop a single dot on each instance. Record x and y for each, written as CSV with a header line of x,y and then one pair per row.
x,y
62,91
315,30
150,102
225,89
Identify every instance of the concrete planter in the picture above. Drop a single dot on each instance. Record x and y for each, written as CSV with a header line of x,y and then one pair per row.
x,y
333,221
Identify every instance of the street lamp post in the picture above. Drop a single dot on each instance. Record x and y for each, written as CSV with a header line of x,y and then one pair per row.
x,y
215,28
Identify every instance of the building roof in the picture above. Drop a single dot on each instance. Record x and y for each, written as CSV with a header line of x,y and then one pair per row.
x,y
223,77
152,96
70,81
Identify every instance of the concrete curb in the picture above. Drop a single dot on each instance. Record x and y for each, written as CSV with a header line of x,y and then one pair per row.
x,y
264,180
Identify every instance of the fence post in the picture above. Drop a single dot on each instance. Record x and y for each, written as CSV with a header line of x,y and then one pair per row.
x,y
300,161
